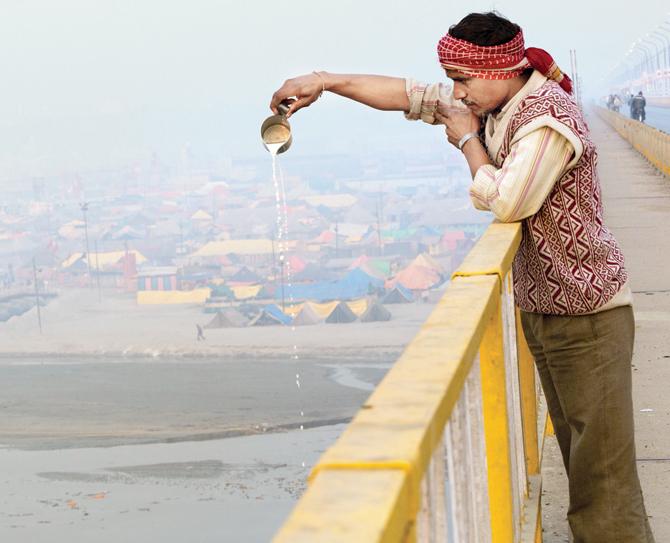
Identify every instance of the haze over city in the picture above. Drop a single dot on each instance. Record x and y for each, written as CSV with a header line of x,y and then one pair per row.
x,y
91,85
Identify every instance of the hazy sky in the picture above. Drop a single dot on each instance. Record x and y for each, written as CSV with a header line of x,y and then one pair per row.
x,y
104,82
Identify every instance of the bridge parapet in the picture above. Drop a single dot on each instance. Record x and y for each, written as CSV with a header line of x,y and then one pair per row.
x,y
446,448
650,142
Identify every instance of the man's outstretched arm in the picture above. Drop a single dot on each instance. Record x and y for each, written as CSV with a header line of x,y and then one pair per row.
x,y
377,91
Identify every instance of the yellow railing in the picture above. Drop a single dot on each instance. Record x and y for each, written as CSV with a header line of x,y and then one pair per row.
x,y
652,143
446,448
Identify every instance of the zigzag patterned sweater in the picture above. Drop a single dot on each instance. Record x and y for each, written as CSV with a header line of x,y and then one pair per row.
x,y
568,262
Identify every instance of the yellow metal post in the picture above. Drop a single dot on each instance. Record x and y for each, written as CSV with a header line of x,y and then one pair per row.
x,y
528,400
496,430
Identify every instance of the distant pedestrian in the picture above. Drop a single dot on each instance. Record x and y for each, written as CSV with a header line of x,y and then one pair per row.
x,y
637,107
201,336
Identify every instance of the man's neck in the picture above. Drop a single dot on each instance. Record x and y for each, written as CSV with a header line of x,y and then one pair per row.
x,y
515,85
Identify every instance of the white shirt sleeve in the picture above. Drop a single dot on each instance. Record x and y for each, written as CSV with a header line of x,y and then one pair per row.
x,y
424,98
519,188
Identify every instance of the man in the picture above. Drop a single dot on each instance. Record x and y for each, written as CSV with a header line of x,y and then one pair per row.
x,y
637,107
532,160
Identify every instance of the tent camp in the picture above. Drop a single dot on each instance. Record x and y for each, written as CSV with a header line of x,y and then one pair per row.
x,y
269,316
341,314
228,318
398,295
307,316
375,312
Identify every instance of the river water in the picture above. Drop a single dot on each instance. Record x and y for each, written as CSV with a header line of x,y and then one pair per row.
x,y
172,450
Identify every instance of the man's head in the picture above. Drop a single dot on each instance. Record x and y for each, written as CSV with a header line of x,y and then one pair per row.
x,y
485,29
486,56
480,91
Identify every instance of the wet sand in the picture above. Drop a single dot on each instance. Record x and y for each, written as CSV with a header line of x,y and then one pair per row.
x,y
52,403
228,490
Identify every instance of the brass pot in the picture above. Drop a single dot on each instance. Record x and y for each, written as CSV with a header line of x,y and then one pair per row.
x,y
276,129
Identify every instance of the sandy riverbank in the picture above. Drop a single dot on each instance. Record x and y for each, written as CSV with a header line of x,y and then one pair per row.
x,y
76,323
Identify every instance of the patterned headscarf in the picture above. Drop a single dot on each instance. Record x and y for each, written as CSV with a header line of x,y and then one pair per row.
x,y
503,61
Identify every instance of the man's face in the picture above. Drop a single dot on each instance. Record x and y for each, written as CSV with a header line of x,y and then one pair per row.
x,y
481,96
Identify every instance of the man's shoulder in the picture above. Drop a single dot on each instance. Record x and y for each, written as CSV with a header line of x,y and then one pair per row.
x,y
550,99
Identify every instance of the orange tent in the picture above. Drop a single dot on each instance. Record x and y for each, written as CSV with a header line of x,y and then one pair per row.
x,y
417,278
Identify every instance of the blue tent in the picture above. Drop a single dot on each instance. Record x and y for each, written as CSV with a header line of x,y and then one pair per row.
x,y
355,284
270,314
399,295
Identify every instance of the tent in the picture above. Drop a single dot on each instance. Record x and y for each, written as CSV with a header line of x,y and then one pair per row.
x,y
307,316
355,284
451,238
222,291
245,275
228,318
295,264
341,314
373,267
375,312
270,315
245,292
427,261
311,273
398,295
416,277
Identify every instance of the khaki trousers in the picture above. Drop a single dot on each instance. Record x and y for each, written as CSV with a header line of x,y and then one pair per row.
x,y
584,363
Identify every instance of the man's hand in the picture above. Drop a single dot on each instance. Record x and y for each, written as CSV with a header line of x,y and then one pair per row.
x,y
458,122
306,89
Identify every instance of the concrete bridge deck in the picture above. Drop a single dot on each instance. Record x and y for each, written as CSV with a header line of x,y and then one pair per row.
x,y
637,209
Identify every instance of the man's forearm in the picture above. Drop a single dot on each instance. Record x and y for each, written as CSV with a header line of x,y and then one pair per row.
x,y
377,91
476,155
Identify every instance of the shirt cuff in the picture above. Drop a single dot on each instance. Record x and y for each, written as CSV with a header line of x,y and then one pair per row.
x,y
483,186
415,91
423,100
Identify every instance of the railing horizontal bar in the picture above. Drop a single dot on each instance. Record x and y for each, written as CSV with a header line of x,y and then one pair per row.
x,y
494,252
371,506
409,409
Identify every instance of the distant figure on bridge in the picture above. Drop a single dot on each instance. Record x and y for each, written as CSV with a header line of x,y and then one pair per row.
x,y
511,112
637,107
201,335
616,103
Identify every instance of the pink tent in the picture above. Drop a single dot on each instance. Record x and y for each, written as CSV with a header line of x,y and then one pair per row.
x,y
417,278
296,264
451,238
